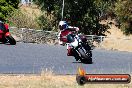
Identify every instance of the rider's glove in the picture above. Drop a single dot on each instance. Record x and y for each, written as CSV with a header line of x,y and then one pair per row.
x,y
61,43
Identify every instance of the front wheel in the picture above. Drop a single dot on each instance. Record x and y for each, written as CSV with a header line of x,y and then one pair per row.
x,y
11,40
87,60
88,53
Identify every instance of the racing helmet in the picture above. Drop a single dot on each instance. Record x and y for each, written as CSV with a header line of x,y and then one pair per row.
x,y
63,25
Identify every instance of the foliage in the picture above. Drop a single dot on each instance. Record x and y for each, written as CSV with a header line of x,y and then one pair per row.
x,y
44,23
7,6
22,20
123,10
87,13
82,13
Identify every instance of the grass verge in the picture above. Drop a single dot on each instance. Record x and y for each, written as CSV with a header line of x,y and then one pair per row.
x,y
49,80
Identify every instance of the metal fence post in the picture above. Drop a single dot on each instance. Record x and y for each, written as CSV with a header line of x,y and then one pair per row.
x,y
22,31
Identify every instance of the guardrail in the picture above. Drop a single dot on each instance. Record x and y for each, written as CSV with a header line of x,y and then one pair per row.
x,y
26,1
34,36
95,38
41,36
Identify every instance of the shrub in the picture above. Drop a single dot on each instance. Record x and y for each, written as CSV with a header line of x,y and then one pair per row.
x,y
22,20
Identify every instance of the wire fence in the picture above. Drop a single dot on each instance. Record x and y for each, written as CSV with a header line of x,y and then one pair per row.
x,y
50,37
34,36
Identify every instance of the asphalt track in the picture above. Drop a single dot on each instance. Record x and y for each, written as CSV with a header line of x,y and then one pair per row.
x,y
33,58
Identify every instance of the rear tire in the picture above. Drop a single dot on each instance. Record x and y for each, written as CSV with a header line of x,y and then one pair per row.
x,y
11,40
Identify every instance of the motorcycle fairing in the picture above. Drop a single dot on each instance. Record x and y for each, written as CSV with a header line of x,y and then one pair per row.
x,y
7,34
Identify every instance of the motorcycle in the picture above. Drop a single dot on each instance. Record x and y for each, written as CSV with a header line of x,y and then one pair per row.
x,y
5,36
80,47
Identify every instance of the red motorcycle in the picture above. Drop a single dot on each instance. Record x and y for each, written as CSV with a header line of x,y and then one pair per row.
x,y
5,36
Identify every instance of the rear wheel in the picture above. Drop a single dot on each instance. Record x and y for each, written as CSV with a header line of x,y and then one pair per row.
x,y
11,40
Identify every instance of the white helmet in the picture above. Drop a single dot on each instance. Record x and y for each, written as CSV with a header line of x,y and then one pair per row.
x,y
63,25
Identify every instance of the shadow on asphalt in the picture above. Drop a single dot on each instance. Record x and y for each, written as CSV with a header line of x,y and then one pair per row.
x,y
76,62
82,63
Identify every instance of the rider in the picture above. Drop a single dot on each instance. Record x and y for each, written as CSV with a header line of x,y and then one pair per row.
x,y
65,30
3,26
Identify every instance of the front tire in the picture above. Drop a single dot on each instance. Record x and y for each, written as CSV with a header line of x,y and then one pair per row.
x,y
87,61
88,58
11,40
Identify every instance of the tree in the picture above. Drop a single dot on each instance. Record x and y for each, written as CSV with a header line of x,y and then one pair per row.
x,y
7,6
82,13
123,10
